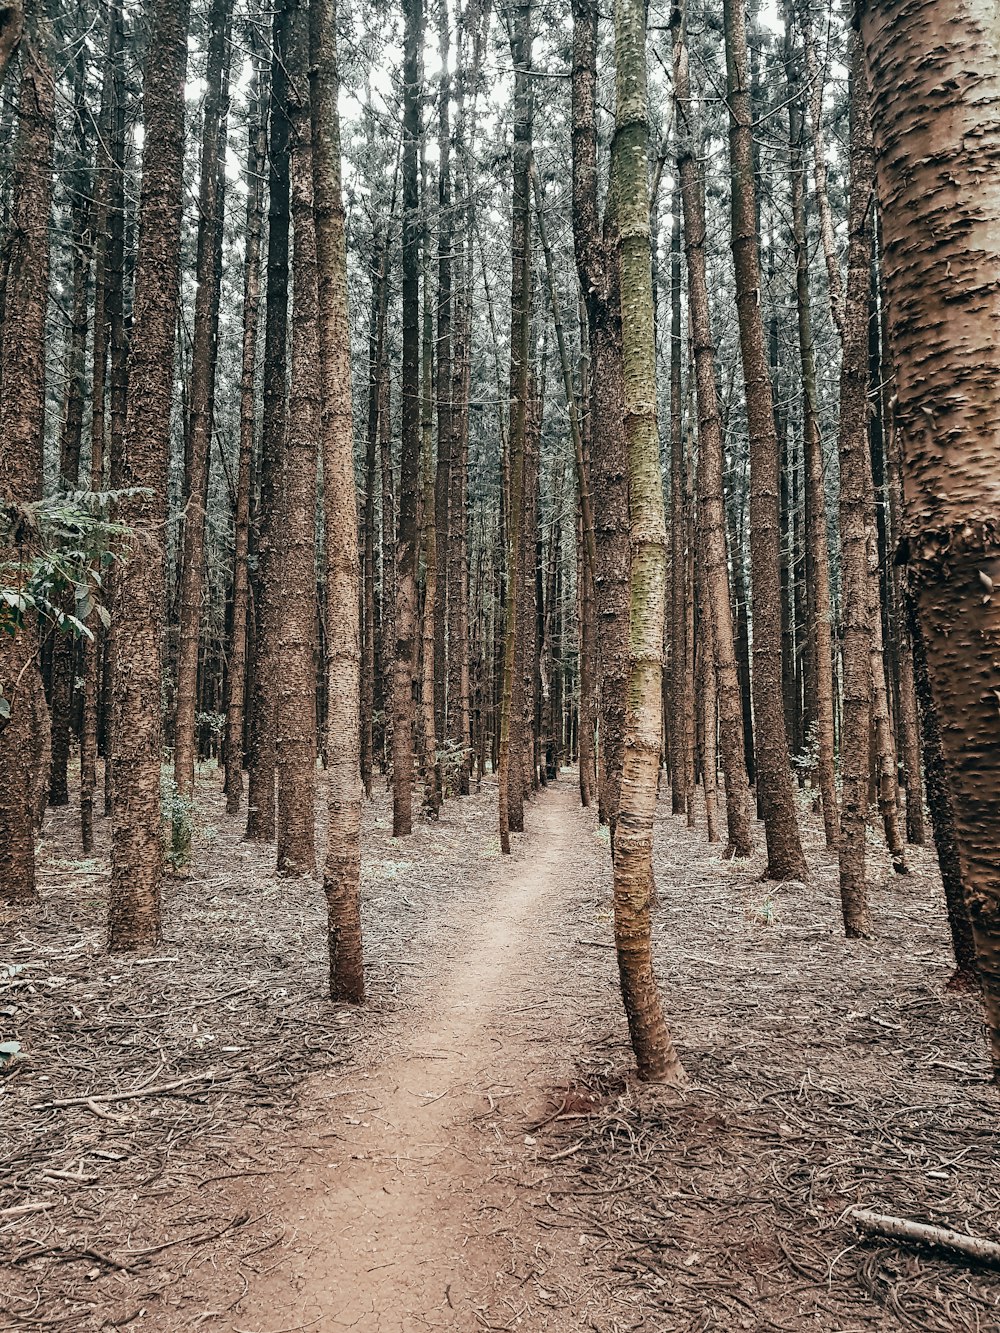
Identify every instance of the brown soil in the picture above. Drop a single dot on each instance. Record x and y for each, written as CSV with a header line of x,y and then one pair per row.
x,y
469,1151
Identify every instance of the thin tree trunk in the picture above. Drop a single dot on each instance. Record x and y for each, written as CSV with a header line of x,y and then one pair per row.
x,y
138,623
633,847
445,645
682,778
775,788
342,867
428,524
22,416
236,681
855,537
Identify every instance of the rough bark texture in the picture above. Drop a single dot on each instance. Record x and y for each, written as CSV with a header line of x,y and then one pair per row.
x,y
22,410
936,115
342,866
296,734
429,533
855,535
237,676
633,849
11,28
263,717
406,546
711,501
775,788
137,626
204,358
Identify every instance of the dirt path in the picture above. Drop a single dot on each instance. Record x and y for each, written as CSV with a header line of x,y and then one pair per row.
x,y
408,1224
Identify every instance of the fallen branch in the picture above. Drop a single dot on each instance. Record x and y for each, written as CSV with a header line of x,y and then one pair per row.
x,y
129,1096
920,1233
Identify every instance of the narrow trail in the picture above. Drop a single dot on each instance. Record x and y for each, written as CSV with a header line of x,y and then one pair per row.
x,y
408,1223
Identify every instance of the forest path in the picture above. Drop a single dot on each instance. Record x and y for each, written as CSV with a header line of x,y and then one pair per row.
x,y
404,1226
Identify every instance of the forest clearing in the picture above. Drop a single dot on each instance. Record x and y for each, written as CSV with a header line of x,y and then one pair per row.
x,y
499,665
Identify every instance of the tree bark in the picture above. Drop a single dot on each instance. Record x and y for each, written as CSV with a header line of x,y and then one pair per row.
x,y
775,788
941,261
633,847
138,622
342,867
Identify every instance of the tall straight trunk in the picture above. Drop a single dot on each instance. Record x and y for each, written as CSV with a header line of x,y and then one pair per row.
x,y
633,847
509,783
64,646
856,534
941,263
342,866
775,789
595,246
887,782
296,732
263,717
406,552
204,356
682,778
368,653
387,612
138,623
444,644
22,419
816,544
428,524
707,697
236,680
711,500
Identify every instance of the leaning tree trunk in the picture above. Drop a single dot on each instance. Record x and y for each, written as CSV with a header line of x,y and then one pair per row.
x,y
342,867
296,732
855,535
936,119
775,788
137,627
633,852
22,411
711,500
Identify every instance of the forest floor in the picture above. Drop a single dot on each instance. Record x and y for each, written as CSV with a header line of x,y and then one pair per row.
x,y
198,1140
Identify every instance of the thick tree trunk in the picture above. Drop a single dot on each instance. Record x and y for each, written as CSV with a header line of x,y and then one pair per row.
x,y
204,358
855,534
296,733
22,416
236,680
429,533
775,789
633,846
936,115
711,501
444,629
342,866
406,557
263,715
138,623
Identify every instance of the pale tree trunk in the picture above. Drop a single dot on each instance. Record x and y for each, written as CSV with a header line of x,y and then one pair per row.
x,y
296,732
633,849
406,555
855,535
820,617
935,81
236,681
711,500
342,866
138,621
509,778
202,394
22,415
263,710
776,794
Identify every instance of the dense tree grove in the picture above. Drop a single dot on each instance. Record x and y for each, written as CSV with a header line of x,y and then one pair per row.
x,y
449,393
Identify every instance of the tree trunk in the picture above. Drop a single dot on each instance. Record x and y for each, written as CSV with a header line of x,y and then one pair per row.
x,y
263,715
406,557
775,788
633,846
138,623
296,734
22,416
941,261
855,537
428,524
711,501
342,867
236,681
682,778
445,645
204,358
